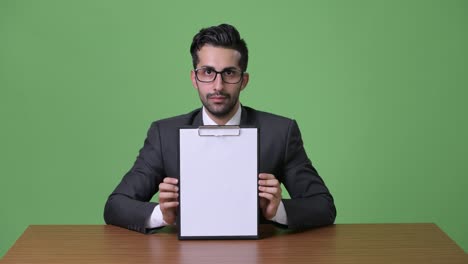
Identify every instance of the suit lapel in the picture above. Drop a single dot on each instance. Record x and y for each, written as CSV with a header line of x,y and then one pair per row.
x,y
247,117
198,119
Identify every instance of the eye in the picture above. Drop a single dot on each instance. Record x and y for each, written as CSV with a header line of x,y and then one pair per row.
x,y
228,72
207,71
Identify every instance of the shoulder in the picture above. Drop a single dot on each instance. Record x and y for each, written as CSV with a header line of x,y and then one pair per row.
x,y
180,120
262,118
169,126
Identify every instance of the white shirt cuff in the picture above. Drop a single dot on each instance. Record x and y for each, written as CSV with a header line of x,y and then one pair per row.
x,y
156,219
280,216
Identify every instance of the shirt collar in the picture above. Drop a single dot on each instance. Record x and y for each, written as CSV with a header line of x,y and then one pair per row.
x,y
234,121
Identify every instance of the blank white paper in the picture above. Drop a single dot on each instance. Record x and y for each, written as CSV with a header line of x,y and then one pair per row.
x,y
218,184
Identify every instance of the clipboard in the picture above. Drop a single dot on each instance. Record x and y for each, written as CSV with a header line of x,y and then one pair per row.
x,y
218,182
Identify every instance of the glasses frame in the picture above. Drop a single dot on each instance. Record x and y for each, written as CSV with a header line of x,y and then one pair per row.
x,y
216,76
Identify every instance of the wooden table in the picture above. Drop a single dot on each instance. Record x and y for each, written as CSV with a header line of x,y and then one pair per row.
x,y
343,243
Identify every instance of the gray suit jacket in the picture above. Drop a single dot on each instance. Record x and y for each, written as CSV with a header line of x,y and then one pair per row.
x,y
281,154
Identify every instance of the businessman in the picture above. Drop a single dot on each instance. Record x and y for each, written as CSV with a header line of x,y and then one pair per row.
x,y
220,58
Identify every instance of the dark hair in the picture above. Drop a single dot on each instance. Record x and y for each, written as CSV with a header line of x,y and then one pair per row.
x,y
225,36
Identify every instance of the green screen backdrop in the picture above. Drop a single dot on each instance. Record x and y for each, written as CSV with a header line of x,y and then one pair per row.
x,y
379,89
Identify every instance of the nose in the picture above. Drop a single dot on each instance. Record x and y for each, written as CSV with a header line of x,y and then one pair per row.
x,y
218,83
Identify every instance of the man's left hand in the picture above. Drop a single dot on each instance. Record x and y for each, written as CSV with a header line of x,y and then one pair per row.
x,y
270,194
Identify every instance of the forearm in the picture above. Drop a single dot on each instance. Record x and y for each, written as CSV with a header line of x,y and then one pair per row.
x,y
123,211
129,204
311,202
318,210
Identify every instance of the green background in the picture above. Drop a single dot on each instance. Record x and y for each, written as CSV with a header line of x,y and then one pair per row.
x,y
379,89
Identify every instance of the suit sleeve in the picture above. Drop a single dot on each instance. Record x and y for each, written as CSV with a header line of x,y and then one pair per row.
x,y
129,204
311,203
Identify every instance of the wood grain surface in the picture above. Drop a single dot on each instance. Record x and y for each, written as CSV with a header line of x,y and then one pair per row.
x,y
343,243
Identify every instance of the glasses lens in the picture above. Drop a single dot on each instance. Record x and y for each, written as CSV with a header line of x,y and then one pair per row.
x,y
231,76
205,75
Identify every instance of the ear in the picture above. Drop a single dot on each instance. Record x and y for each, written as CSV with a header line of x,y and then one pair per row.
x,y
245,80
194,80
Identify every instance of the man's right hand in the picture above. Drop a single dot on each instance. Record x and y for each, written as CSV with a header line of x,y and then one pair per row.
x,y
169,199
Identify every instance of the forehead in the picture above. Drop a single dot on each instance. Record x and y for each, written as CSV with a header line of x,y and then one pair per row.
x,y
218,57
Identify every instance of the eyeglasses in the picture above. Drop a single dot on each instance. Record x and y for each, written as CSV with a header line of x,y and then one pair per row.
x,y
207,75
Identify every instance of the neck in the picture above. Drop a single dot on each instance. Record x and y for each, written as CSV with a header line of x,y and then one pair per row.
x,y
221,121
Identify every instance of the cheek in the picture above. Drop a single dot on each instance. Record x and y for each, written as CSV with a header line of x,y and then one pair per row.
x,y
236,90
202,89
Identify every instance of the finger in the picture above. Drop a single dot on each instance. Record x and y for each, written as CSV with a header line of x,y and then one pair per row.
x,y
271,183
170,180
166,187
273,190
168,205
266,176
168,195
268,196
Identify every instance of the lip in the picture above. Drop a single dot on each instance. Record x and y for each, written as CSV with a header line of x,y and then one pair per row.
x,y
217,99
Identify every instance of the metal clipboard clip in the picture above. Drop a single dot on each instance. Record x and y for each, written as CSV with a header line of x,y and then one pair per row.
x,y
218,131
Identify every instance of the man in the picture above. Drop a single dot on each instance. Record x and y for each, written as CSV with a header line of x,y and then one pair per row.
x,y
220,59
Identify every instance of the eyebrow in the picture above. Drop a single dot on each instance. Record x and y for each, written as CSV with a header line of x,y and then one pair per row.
x,y
227,68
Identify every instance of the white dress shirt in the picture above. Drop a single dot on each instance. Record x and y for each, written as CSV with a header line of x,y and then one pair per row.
x,y
156,218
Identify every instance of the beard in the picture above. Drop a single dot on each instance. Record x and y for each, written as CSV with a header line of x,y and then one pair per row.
x,y
220,109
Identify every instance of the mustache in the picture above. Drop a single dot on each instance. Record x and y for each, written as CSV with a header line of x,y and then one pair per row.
x,y
208,96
